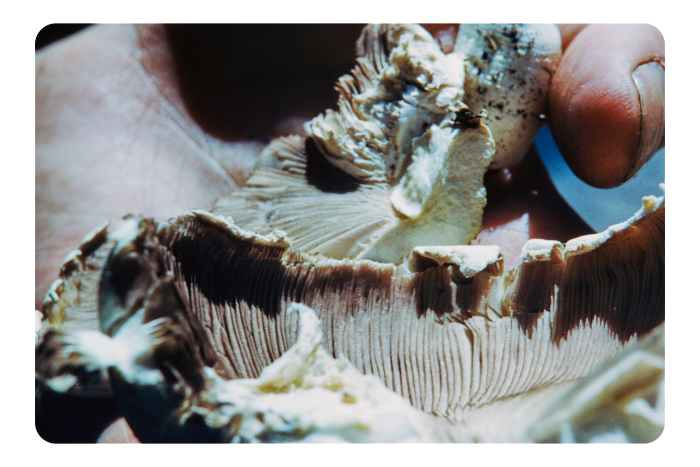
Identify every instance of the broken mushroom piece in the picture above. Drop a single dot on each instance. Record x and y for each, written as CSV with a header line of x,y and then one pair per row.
x,y
509,68
401,163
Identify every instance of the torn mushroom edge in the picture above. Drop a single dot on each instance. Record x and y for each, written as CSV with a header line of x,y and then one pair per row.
x,y
546,250
74,261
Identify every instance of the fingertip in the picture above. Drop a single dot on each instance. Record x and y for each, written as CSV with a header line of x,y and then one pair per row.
x,y
650,80
607,102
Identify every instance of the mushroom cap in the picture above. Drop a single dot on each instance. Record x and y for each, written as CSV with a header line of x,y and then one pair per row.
x,y
466,347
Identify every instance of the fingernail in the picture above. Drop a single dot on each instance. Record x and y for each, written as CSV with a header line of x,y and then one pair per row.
x,y
650,81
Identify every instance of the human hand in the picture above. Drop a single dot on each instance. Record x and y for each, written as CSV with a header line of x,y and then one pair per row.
x,y
157,120
124,125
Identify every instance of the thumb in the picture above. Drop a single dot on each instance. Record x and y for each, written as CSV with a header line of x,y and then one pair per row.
x,y
607,100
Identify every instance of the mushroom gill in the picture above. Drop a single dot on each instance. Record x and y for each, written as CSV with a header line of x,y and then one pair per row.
x,y
456,334
342,274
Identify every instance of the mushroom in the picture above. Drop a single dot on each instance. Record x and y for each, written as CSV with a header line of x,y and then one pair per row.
x,y
401,163
222,327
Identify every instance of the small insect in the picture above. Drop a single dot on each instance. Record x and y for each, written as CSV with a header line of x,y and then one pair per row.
x,y
492,42
468,119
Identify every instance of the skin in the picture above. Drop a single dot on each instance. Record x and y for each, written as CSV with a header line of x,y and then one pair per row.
x,y
129,119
